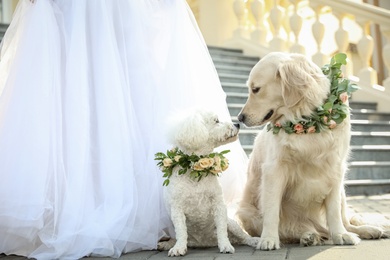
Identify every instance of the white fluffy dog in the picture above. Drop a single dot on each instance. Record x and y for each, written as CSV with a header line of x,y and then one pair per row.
x,y
196,206
295,187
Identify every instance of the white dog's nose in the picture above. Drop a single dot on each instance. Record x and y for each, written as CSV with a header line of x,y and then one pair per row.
x,y
237,126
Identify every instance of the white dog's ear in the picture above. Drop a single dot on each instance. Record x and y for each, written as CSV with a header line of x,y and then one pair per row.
x,y
298,76
191,133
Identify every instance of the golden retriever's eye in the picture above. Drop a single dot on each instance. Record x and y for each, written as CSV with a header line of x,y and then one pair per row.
x,y
255,90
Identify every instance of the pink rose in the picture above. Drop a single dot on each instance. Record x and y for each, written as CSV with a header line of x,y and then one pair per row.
x,y
344,97
325,118
311,129
278,124
332,124
298,128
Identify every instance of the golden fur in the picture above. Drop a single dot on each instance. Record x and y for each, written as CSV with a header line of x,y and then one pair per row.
x,y
295,190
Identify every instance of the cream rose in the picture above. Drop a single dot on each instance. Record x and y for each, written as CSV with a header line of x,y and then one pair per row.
x,y
206,162
216,170
167,162
226,165
311,129
197,167
177,158
344,97
217,161
332,124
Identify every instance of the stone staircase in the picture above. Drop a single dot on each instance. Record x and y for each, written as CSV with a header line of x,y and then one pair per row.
x,y
3,28
369,172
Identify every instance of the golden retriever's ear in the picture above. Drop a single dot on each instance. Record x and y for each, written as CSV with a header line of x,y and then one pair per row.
x,y
297,76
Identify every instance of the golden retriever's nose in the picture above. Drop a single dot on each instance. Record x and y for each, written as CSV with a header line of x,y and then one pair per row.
x,y
241,118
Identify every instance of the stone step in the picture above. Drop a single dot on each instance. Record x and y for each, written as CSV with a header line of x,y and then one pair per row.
x,y
234,61
236,70
370,153
371,138
361,170
370,126
216,49
233,78
368,114
367,187
220,54
235,87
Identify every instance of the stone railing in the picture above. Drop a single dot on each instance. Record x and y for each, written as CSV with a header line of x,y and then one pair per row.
x,y
316,28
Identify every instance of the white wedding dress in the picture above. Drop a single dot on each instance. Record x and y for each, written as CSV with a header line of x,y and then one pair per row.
x,y
86,87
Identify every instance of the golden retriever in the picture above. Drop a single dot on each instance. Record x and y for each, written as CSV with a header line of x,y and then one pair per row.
x,y
295,190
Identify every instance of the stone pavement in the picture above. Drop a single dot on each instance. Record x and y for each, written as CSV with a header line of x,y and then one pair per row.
x,y
373,207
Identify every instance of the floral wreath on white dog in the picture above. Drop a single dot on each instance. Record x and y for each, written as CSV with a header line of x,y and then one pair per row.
x,y
335,108
197,166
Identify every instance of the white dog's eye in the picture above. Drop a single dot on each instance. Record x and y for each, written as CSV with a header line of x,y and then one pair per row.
x,y
216,121
255,90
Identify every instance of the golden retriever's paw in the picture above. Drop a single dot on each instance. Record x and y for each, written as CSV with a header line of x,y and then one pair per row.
x,y
268,243
369,232
345,239
166,245
252,241
311,239
226,248
177,251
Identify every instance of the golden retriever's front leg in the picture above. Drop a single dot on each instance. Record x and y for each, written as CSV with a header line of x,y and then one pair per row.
x,y
272,188
339,234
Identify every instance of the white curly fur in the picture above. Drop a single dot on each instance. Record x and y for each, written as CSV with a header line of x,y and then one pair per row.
x,y
197,209
295,188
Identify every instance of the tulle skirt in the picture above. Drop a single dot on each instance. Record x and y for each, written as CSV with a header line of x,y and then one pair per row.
x,y
86,87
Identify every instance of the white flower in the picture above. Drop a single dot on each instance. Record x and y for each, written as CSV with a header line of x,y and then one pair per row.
x,y
206,162
167,162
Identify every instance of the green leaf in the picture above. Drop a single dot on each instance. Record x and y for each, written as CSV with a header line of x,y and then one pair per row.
x,y
332,99
328,105
339,58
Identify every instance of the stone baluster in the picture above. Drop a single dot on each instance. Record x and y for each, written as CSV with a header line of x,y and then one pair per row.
x,y
318,30
367,75
296,26
239,7
386,56
276,16
259,35
342,41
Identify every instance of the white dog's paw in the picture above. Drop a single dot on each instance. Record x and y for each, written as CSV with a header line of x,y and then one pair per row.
x,y
226,248
345,239
177,251
252,241
268,243
166,245
311,239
